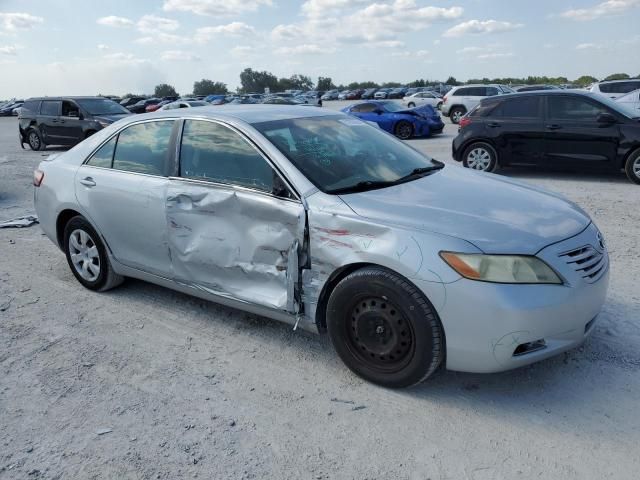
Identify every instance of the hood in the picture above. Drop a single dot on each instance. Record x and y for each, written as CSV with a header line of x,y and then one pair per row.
x,y
422,110
110,118
496,214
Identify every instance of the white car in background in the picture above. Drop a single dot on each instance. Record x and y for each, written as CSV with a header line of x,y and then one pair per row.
x,y
422,98
460,100
631,99
616,88
184,104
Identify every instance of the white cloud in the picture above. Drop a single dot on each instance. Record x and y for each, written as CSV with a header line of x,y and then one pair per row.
x,y
153,23
323,8
604,9
163,37
214,7
205,34
470,50
286,32
179,56
305,48
9,50
123,58
113,21
18,21
589,46
480,27
386,44
494,55
102,46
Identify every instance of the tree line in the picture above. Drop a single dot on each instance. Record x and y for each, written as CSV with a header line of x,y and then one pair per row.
x,y
257,81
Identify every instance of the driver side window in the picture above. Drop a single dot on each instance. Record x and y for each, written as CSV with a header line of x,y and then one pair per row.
x,y
210,151
364,108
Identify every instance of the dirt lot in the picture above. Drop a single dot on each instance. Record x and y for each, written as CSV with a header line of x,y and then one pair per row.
x,y
145,383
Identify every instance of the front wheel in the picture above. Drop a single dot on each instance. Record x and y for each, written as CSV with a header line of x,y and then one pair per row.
x,y
87,256
411,105
480,156
35,140
632,167
384,329
403,130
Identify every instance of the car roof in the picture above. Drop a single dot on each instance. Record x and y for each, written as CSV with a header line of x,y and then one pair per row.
x,y
70,97
560,92
618,81
248,113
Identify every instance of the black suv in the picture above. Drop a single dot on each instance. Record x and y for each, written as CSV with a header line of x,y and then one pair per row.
x,y
65,120
553,128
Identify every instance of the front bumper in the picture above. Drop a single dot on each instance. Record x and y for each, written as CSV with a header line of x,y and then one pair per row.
x,y
485,323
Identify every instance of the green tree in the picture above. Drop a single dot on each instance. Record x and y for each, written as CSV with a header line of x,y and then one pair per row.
x,y
617,76
295,82
165,90
209,87
585,80
254,81
452,81
325,83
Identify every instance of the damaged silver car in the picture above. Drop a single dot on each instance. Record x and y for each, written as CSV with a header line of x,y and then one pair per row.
x,y
322,221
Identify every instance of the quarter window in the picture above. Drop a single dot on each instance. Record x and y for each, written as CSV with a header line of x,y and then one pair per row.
x,y
525,107
364,108
572,108
144,148
104,155
211,151
50,108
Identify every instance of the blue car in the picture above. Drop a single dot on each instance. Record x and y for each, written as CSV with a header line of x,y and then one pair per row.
x,y
403,122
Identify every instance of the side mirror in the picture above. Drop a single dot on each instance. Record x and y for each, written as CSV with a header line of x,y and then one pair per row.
x,y
606,118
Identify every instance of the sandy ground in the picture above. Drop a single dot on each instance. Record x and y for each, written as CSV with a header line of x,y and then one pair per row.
x,y
145,383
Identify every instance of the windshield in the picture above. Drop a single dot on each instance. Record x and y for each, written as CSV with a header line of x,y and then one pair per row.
x,y
101,106
624,109
338,152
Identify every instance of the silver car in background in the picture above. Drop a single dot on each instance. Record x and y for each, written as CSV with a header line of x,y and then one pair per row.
x,y
322,221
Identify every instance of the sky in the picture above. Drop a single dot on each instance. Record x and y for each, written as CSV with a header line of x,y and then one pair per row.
x,y
87,47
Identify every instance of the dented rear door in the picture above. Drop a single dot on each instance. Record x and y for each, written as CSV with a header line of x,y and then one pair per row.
x,y
234,229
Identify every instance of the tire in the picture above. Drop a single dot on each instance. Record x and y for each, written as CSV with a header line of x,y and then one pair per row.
x,y
411,105
632,167
384,329
480,156
83,247
403,130
34,139
456,114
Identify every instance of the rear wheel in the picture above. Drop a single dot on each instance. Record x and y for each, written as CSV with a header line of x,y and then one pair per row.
x,y
87,256
35,140
480,156
411,105
632,167
384,329
404,130
456,114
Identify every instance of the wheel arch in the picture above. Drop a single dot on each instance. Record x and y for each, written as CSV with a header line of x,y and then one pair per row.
x,y
466,144
633,149
61,221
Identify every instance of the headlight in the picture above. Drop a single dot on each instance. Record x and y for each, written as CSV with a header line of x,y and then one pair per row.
x,y
501,268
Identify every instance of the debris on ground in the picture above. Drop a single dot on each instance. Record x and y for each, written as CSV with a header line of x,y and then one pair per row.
x,y
102,431
20,222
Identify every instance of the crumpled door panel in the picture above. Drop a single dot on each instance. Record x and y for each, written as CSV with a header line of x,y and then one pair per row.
x,y
234,242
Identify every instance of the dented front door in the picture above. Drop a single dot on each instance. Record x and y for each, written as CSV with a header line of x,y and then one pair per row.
x,y
228,233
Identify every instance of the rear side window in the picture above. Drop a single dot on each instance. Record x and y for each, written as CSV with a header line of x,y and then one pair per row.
x,y
50,107
211,151
144,148
573,108
525,107
30,107
491,91
104,155
620,87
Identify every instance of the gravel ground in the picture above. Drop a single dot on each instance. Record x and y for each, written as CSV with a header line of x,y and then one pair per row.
x,y
143,383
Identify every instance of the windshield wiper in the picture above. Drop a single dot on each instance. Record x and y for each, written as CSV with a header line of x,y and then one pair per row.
x,y
373,184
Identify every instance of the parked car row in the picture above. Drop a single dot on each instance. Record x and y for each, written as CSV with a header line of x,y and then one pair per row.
x,y
8,109
382,93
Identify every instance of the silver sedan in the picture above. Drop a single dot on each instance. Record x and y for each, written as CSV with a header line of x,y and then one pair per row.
x,y
322,221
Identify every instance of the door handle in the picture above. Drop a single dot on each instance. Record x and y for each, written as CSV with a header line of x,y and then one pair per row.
x,y
88,182
553,126
493,124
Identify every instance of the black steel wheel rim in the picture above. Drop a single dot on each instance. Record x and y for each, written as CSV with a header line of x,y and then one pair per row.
x,y
379,335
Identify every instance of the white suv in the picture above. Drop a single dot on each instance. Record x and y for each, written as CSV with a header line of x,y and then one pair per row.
x,y
460,100
616,88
